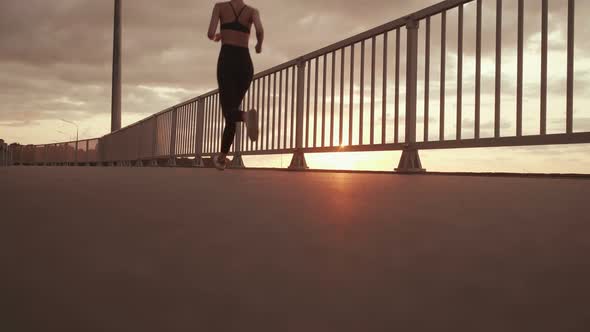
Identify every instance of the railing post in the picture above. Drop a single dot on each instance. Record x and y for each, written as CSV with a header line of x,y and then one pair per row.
x,y
154,161
198,161
139,130
172,160
298,162
410,160
3,154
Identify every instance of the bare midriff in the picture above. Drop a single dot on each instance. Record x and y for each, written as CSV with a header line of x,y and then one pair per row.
x,y
235,38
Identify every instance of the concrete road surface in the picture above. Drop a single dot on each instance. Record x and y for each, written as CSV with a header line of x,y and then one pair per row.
x,y
121,249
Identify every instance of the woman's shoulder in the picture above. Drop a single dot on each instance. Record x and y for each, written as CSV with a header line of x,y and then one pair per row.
x,y
253,10
222,4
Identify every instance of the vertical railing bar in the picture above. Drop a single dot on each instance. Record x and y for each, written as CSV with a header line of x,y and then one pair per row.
x,y
274,109
263,124
570,66
280,109
333,91
519,70
443,66
172,118
373,56
498,68
218,122
427,81
208,125
189,141
178,143
167,136
154,138
212,133
315,105
308,101
185,128
194,125
240,130
300,103
397,75
159,127
351,104
293,98
191,127
341,119
184,131
199,127
213,126
323,127
286,120
478,70
460,74
544,60
384,91
161,136
362,93
411,80
268,110
246,108
255,106
259,111
211,123
250,106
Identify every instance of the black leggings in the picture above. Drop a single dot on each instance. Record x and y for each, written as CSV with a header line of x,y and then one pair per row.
x,y
234,75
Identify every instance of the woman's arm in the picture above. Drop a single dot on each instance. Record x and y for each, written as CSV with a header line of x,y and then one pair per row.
x,y
213,25
259,30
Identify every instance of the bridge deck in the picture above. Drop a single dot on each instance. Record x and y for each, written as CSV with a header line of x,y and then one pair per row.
x,y
118,249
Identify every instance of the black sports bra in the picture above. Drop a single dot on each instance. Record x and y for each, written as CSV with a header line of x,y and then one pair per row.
x,y
236,25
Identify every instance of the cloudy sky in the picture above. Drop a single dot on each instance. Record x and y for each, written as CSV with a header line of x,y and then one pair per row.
x,y
55,59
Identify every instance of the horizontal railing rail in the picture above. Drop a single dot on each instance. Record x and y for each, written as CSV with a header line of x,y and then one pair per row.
x,y
398,86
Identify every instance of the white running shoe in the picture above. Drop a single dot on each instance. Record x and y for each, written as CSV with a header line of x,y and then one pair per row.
x,y
252,124
220,164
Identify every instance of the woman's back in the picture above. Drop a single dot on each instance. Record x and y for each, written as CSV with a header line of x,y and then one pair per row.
x,y
236,20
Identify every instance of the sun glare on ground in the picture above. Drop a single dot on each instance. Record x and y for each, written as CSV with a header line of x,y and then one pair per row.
x,y
351,161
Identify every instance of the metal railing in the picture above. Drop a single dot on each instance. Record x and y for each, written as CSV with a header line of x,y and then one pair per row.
x,y
5,155
69,153
360,94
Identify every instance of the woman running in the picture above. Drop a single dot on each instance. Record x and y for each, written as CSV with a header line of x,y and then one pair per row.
x,y
234,68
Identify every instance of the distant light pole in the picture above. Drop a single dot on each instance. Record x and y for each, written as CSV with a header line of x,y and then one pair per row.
x,y
77,130
116,87
72,123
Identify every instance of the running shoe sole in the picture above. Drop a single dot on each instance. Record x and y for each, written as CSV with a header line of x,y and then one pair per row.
x,y
218,165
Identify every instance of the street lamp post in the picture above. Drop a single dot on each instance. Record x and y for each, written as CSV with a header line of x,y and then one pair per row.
x,y
75,124
77,130
116,87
